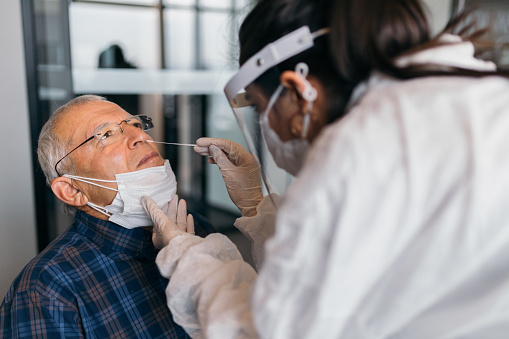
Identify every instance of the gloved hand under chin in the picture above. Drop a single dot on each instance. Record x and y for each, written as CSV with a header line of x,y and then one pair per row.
x,y
239,170
169,222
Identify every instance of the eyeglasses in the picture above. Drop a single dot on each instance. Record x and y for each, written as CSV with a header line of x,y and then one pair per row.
x,y
110,133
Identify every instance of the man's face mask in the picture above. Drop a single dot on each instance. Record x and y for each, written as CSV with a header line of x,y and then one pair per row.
x,y
126,210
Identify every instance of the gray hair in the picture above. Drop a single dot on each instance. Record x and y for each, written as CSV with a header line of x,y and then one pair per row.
x,y
52,148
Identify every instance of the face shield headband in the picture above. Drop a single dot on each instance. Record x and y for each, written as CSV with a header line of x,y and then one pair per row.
x,y
271,55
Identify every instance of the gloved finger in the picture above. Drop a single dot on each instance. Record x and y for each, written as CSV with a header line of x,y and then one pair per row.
x,y
156,214
206,142
235,152
203,150
211,160
166,208
172,210
220,158
181,215
148,204
223,144
190,224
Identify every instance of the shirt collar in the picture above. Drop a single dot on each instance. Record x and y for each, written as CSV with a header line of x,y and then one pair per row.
x,y
117,238
453,52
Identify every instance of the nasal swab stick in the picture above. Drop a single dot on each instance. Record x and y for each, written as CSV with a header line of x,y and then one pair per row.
x,y
171,143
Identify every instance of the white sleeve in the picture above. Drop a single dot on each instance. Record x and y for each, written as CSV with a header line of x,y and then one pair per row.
x,y
260,227
209,289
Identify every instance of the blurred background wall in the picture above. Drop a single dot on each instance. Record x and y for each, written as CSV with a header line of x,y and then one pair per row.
x,y
17,215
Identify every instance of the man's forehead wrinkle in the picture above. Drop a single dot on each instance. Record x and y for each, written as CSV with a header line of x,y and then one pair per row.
x,y
101,126
83,119
94,124
111,122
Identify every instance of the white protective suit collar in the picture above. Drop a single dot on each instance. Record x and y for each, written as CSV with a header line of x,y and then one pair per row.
x,y
455,52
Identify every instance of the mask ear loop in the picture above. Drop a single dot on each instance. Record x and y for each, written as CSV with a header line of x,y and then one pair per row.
x,y
98,208
309,94
89,181
272,101
265,118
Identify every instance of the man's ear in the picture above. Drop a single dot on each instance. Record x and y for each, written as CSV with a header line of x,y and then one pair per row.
x,y
63,188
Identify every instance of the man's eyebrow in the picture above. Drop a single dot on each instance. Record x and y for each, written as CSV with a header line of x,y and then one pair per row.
x,y
101,126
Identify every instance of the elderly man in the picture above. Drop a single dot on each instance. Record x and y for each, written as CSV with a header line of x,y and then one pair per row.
x,y
99,278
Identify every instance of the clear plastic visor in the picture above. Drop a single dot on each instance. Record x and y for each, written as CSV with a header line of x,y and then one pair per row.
x,y
255,87
249,106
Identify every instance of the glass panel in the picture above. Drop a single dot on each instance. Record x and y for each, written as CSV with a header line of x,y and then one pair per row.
x,y
216,41
180,38
242,4
226,4
49,86
243,7
132,2
180,2
95,28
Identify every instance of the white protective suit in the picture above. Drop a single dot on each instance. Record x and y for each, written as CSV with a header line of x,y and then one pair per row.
x,y
397,226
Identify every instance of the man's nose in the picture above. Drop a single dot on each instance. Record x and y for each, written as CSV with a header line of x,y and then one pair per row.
x,y
134,135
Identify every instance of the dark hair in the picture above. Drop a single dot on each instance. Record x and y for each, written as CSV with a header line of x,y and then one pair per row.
x,y
364,35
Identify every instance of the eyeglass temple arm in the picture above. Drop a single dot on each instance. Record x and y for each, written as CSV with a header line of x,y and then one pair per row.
x,y
65,156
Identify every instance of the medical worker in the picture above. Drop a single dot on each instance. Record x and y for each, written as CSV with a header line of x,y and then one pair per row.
x,y
397,224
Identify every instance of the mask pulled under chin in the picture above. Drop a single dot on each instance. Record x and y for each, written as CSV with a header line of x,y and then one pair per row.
x,y
126,210
288,155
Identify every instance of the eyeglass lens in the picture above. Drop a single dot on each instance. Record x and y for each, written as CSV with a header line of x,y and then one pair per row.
x,y
111,133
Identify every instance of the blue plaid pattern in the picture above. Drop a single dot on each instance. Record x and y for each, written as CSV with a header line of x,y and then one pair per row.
x,y
96,280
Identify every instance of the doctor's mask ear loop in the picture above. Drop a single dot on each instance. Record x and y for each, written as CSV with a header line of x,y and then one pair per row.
x,y
309,94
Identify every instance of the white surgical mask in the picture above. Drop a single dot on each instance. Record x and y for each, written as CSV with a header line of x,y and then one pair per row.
x,y
126,210
288,155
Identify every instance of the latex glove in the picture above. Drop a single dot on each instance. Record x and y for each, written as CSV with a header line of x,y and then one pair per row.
x,y
170,222
239,170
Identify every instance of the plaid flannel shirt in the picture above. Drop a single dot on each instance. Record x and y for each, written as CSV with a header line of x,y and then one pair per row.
x,y
96,280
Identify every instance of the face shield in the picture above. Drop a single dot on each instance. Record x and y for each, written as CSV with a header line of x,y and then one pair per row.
x,y
255,92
